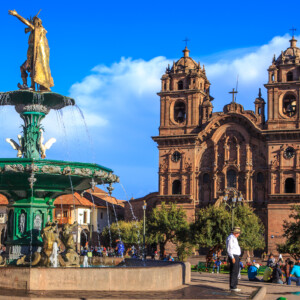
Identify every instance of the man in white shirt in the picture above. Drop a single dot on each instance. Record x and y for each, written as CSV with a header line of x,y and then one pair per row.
x,y
234,252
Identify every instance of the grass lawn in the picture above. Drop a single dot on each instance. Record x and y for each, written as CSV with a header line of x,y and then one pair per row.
x,y
201,268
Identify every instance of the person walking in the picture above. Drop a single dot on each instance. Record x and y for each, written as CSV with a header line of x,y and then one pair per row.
x,y
234,252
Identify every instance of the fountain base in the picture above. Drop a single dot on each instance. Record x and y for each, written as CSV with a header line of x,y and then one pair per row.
x,y
156,276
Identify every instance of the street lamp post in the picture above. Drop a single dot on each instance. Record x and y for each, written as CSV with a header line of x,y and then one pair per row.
x,y
231,198
144,230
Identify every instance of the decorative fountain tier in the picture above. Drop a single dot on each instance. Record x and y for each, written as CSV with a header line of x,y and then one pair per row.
x,y
32,183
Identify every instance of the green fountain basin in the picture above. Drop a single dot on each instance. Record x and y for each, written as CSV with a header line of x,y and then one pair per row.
x,y
53,177
25,98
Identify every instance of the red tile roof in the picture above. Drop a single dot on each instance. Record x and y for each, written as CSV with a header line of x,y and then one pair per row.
x,y
70,199
3,200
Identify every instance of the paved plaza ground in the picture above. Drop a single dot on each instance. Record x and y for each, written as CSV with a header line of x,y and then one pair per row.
x,y
203,286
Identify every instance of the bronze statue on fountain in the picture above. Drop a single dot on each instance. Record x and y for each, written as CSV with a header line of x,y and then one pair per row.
x,y
38,53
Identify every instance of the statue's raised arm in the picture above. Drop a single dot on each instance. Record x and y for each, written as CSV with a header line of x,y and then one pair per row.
x,y
23,20
38,54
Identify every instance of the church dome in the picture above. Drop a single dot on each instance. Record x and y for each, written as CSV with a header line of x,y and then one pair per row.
x,y
290,55
185,63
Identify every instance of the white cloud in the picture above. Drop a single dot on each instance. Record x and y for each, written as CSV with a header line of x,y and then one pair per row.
x,y
250,68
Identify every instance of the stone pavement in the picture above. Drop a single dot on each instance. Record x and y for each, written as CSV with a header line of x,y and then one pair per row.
x,y
203,286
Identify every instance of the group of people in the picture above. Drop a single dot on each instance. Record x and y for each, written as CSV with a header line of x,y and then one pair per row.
x,y
275,272
102,251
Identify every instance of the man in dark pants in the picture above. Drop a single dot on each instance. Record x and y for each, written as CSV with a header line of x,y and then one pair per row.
x,y
234,252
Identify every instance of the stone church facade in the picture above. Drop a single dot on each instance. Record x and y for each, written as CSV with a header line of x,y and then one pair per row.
x,y
201,152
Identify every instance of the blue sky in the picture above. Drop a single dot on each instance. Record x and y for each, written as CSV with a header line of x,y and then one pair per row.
x,y
110,56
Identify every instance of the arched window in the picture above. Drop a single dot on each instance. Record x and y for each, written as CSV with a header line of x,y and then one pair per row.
x,y
289,76
289,105
176,187
179,111
180,85
289,186
206,178
231,178
260,177
259,110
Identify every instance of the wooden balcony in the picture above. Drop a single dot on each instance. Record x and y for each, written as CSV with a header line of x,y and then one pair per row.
x,y
63,220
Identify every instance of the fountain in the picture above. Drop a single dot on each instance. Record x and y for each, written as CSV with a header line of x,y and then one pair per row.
x,y
32,183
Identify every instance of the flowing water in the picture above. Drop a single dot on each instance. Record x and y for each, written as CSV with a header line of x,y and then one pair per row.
x,y
134,219
54,256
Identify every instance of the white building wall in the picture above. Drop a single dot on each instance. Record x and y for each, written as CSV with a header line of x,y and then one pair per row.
x,y
84,216
102,218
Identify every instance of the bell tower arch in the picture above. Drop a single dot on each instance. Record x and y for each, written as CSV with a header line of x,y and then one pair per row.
x,y
284,89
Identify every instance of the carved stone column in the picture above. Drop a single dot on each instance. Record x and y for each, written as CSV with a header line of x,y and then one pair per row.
x,y
297,158
226,152
216,157
276,104
251,187
272,182
215,178
162,111
167,113
247,179
183,185
169,184
281,183
189,110
161,184
238,149
281,157
248,149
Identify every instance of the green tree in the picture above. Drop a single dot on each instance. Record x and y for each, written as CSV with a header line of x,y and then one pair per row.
x,y
211,228
252,236
213,225
168,223
130,233
292,234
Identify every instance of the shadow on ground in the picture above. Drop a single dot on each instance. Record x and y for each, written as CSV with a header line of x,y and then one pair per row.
x,y
188,292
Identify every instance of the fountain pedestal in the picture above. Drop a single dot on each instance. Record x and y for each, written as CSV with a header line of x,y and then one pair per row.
x,y
30,183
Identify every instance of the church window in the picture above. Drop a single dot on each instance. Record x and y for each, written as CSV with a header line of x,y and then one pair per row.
x,y
180,85
179,112
231,178
176,187
259,110
206,178
260,177
289,76
165,86
176,156
289,186
289,105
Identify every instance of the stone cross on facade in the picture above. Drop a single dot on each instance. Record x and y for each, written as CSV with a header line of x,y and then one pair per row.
x,y
233,92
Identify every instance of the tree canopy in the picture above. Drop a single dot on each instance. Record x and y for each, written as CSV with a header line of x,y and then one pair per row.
x,y
252,236
167,223
292,234
131,233
213,225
